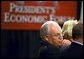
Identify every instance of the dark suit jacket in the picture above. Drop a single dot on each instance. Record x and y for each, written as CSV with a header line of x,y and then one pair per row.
x,y
49,51
75,50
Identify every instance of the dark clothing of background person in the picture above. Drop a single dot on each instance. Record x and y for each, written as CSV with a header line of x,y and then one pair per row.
x,y
75,50
49,51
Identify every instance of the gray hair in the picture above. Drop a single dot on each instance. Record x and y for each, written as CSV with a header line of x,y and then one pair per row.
x,y
44,30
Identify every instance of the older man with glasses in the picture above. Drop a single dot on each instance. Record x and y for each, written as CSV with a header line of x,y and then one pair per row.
x,y
54,44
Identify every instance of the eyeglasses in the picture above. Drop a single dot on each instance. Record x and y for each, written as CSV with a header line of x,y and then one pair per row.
x,y
56,35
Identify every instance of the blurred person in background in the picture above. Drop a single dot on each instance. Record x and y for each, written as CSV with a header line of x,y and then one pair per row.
x,y
67,29
75,50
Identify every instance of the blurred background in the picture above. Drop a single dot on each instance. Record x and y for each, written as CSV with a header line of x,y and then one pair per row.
x,y
21,22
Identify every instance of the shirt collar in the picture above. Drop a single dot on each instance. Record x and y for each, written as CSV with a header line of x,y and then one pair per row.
x,y
78,43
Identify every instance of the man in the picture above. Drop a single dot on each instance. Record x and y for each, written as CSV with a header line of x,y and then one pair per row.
x,y
75,50
51,35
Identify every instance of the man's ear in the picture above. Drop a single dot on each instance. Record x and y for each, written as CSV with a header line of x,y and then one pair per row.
x,y
45,38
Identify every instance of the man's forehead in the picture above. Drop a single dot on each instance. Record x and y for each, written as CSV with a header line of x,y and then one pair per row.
x,y
55,29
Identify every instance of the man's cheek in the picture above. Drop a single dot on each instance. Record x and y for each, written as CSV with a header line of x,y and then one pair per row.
x,y
54,38
57,41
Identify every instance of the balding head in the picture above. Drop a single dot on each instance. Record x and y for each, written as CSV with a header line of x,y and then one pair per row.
x,y
48,26
51,32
